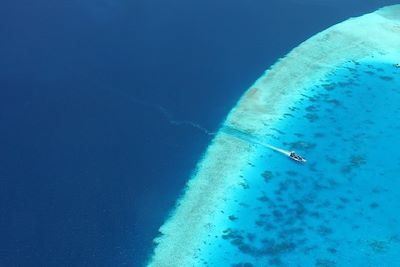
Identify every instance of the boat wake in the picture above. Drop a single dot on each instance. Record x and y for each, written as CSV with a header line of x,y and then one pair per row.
x,y
255,140
285,152
164,112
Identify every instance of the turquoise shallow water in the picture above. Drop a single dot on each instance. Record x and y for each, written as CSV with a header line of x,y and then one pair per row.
x,y
339,209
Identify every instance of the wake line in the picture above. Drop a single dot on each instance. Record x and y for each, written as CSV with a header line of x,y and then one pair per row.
x,y
235,132
287,153
242,135
170,118
192,124
252,139
162,111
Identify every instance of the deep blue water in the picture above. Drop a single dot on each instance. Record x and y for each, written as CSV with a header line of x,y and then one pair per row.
x,y
87,171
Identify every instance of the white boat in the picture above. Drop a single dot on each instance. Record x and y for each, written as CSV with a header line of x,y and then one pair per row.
x,y
290,154
296,157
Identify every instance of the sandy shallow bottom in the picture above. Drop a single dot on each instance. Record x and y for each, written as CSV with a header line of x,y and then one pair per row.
x,y
339,209
247,205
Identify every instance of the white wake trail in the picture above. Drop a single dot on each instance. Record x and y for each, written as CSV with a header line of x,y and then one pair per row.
x,y
252,139
170,118
161,110
192,124
287,153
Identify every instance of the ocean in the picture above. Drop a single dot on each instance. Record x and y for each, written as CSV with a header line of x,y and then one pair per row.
x,y
95,102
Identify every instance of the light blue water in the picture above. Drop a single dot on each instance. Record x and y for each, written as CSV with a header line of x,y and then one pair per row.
x,y
339,209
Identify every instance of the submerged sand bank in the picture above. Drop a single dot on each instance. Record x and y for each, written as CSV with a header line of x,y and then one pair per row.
x,y
375,35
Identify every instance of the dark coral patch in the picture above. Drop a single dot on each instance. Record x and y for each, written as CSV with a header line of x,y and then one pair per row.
x,y
263,199
355,161
242,264
311,108
275,262
373,205
335,102
324,230
271,247
259,223
332,250
251,237
267,175
386,78
311,117
277,213
378,245
329,87
350,82
301,145
233,218
324,263
331,160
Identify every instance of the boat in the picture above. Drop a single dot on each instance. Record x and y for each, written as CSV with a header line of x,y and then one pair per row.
x,y
290,154
296,157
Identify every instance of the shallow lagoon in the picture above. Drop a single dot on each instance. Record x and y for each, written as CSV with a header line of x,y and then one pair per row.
x,y
339,209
